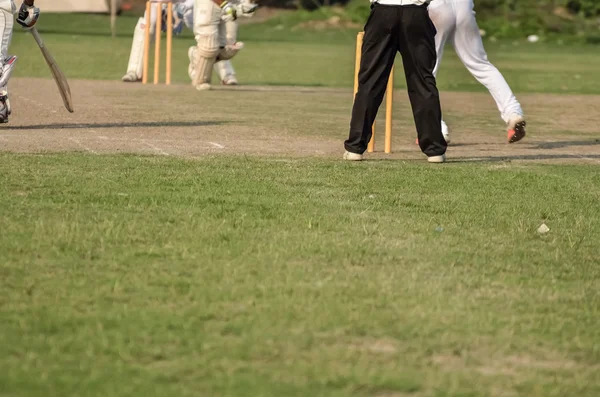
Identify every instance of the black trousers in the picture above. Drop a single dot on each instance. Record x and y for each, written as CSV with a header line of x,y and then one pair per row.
x,y
388,30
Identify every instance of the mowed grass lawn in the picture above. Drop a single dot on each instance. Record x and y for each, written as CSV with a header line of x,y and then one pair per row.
x,y
232,276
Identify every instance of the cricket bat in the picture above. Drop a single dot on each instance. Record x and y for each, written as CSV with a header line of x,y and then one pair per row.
x,y
59,77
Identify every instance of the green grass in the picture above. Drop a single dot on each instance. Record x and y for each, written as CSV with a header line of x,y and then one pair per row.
x,y
277,52
233,276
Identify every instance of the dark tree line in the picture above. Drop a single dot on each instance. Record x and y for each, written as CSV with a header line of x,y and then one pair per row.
x,y
587,8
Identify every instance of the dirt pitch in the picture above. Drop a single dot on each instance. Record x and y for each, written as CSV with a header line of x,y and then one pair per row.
x,y
113,117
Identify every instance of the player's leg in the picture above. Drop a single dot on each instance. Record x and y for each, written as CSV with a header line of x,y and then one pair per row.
x,y
378,52
207,17
225,70
443,16
7,63
417,46
469,47
136,57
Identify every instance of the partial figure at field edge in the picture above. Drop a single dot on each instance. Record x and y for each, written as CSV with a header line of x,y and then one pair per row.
x,y
27,18
192,13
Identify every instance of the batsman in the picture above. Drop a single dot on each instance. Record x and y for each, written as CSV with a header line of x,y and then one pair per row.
x,y
210,31
27,17
184,15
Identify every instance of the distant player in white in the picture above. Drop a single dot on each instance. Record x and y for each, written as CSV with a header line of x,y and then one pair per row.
x,y
183,14
213,47
455,22
27,17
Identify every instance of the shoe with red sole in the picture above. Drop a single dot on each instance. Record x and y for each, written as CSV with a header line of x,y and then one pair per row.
x,y
516,129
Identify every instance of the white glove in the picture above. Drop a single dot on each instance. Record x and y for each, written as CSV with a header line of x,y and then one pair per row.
x,y
228,12
246,9
178,11
28,16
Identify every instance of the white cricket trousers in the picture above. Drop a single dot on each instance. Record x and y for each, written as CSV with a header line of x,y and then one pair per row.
x,y
455,23
7,9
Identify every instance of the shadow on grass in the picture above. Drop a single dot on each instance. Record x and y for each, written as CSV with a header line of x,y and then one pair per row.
x,y
66,126
451,145
275,87
124,34
563,144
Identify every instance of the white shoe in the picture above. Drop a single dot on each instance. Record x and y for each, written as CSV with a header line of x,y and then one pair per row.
x,y
437,159
352,156
131,77
203,87
230,80
445,132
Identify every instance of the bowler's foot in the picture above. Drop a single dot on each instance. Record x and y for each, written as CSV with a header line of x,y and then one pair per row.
x,y
516,129
445,132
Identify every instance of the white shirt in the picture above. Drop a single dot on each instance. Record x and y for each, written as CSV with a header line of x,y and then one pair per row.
x,y
401,2
7,5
